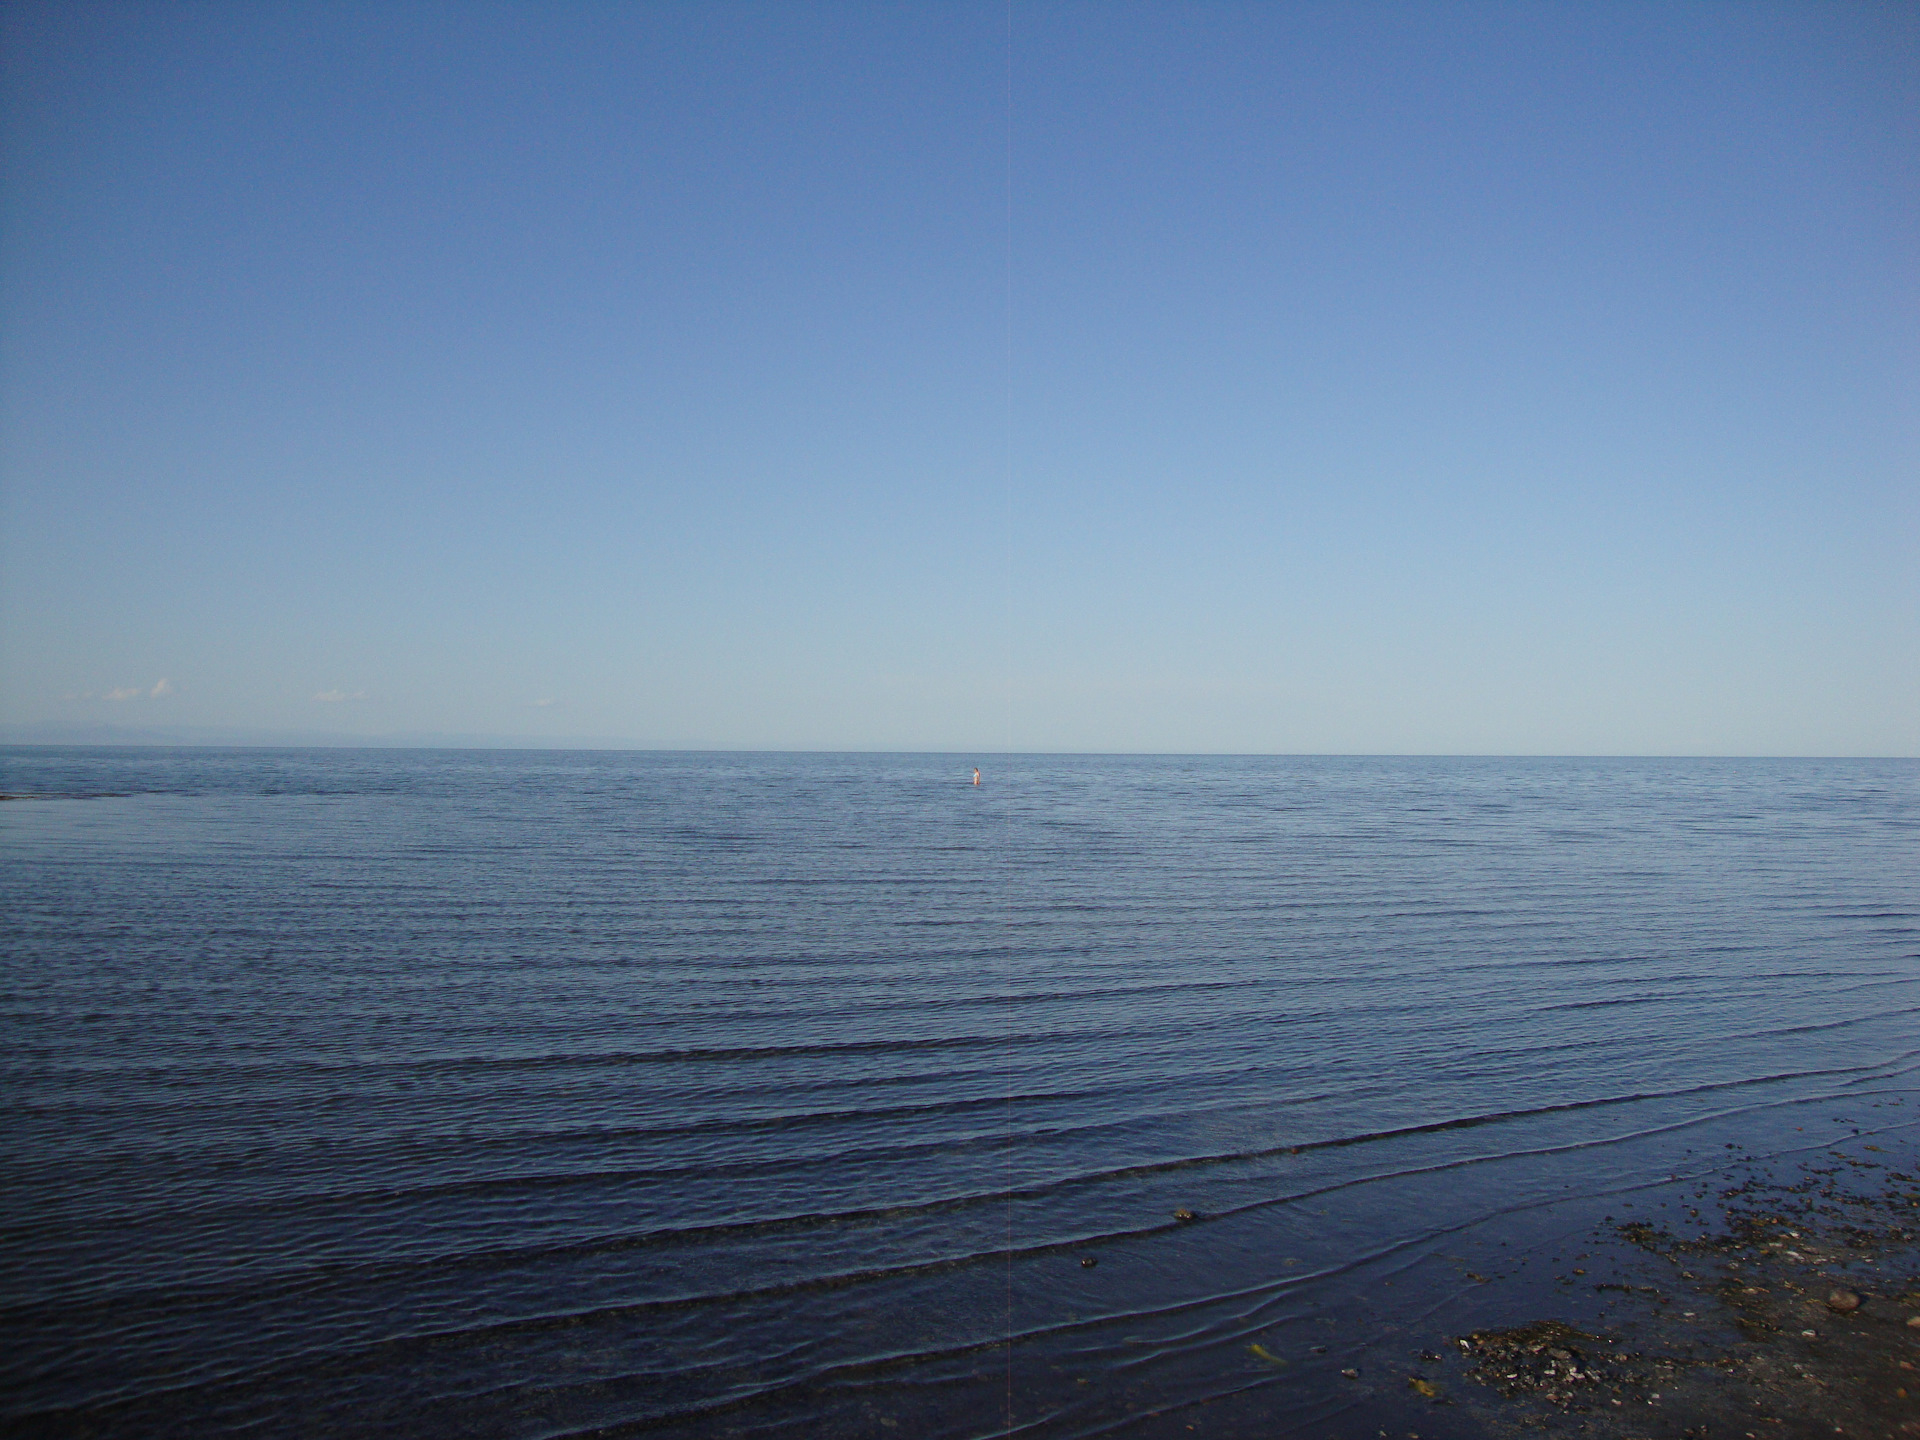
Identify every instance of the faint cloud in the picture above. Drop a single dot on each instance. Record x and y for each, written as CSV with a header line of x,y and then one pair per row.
x,y
161,689
80,695
339,697
542,704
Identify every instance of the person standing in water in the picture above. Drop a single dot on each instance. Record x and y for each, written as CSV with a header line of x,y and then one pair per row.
x,y
976,774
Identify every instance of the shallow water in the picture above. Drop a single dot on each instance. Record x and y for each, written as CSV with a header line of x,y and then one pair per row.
x,y
534,1093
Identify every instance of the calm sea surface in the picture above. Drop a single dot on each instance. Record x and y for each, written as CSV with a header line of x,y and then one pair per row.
x,y
537,1094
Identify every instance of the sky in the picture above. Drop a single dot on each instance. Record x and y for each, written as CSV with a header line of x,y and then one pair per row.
x,y
1344,378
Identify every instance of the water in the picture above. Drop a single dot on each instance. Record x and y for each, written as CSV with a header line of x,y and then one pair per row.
x,y
533,1094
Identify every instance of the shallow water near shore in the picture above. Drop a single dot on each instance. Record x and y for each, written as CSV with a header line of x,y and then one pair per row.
x,y
539,1093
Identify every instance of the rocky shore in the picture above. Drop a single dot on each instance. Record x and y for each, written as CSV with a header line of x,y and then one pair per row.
x,y
1780,1306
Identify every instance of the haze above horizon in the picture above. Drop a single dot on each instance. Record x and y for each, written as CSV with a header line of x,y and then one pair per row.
x,y
1461,379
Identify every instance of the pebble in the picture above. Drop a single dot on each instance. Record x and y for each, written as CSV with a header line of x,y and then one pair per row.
x,y
1183,1215
1843,1301
1913,1322
1088,1262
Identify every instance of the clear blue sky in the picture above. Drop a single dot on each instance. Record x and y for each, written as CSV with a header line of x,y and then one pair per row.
x,y
1417,378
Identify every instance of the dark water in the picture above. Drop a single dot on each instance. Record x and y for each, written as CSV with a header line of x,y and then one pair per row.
x,y
532,1094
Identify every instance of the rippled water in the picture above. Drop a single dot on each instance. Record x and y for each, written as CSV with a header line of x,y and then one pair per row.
x,y
530,1094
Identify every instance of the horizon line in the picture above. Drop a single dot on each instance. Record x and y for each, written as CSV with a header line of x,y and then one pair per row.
x,y
502,746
